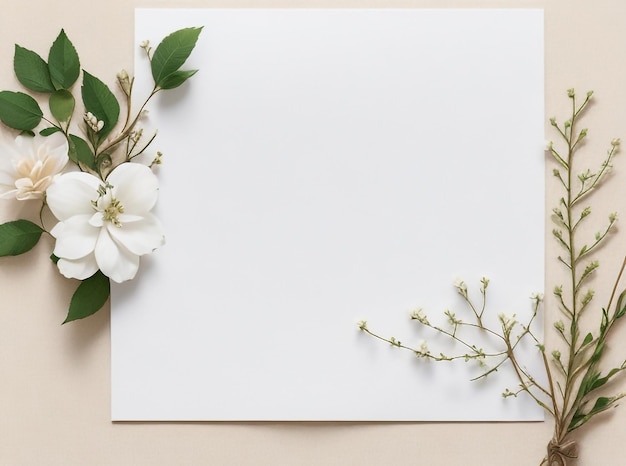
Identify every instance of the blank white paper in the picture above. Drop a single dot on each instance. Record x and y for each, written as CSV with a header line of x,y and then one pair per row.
x,y
324,167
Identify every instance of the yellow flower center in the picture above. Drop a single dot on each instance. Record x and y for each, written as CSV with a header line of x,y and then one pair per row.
x,y
112,211
110,207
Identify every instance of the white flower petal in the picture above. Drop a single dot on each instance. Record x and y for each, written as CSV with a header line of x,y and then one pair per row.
x,y
114,261
76,238
128,218
96,220
140,237
71,194
9,148
7,193
57,149
79,268
7,178
135,186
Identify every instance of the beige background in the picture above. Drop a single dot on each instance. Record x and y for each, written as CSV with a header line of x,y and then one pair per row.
x,y
55,383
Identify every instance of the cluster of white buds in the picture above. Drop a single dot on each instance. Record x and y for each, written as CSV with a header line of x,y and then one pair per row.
x,y
124,81
93,122
423,350
507,393
560,326
460,286
418,314
507,323
537,297
452,319
145,44
158,160
135,136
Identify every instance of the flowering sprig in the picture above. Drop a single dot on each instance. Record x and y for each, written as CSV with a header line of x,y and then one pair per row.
x,y
85,170
573,391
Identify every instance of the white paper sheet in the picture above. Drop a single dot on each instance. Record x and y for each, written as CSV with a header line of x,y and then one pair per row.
x,y
327,166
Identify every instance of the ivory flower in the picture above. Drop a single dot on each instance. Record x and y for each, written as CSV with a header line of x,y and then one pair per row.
x,y
28,164
105,225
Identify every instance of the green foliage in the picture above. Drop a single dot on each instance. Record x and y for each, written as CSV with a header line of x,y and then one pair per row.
x,y
89,297
31,70
49,131
63,62
80,152
621,305
62,105
175,79
170,55
581,416
100,101
18,237
19,110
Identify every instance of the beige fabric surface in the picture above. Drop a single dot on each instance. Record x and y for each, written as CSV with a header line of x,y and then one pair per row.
x,y
55,381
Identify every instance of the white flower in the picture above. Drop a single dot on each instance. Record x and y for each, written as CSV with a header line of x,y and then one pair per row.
x,y
28,164
105,225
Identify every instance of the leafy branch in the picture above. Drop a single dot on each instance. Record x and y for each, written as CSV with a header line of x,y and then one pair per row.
x,y
575,378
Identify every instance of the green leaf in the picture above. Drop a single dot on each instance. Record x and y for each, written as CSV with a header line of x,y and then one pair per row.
x,y
49,131
601,381
19,110
31,70
588,381
100,101
172,53
18,237
621,305
62,105
63,62
605,320
588,339
89,297
602,404
81,152
597,353
175,79
580,417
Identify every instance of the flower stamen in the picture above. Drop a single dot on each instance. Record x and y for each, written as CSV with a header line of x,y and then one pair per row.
x,y
111,213
110,207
